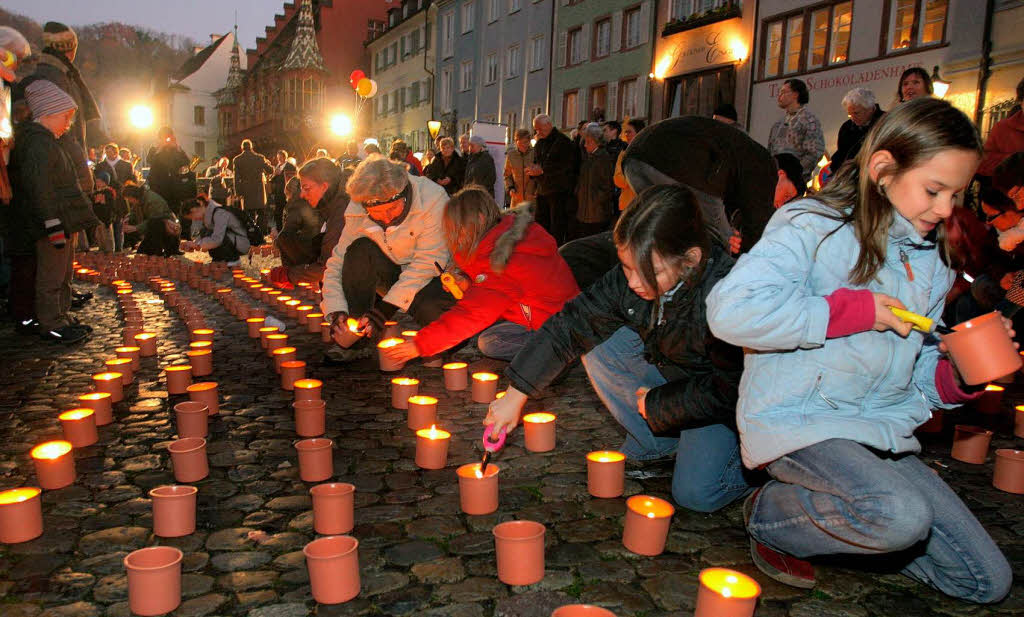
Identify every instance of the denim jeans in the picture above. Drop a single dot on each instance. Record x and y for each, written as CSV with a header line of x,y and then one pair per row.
x,y
708,472
839,497
503,340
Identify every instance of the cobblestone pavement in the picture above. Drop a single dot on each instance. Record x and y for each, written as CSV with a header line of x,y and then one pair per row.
x,y
419,555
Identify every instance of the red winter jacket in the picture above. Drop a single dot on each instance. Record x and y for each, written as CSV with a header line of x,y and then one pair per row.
x,y
517,275
415,162
1005,138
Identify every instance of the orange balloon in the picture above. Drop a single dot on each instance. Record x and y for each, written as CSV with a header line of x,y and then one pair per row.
x,y
364,87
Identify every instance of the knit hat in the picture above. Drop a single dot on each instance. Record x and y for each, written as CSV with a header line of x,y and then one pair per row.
x,y
46,99
59,37
102,175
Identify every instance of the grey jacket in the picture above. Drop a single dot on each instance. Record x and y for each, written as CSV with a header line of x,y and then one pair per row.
x,y
222,225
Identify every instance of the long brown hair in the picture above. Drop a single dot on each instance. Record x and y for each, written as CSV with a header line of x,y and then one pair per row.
x,y
912,133
469,214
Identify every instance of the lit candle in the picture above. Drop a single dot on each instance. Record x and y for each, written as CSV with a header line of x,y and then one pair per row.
x,y
401,389
276,341
205,392
293,308
308,389
432,448
179,378
99,402
55,465
350,334
79,427
478,491
456,376
606,473
325,332
991,400
202,334
647,522
485,386
110,382
21,515
146,341
132,353
1018,421
422,411
282,354
123,366
539,431
254,324
313,322
408,333
291,371
266,331
129,333
201,361
390,329
301,311
726,593
388,365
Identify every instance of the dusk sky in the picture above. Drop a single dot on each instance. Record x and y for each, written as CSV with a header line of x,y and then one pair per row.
x,y
195,18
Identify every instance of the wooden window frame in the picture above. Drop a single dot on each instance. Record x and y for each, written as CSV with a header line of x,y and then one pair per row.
x,y
565,95
593,43
619,103
590,98
883,42
625,26
578,30
805,13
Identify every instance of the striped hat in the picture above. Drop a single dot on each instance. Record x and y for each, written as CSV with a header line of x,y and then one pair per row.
x,y
46,99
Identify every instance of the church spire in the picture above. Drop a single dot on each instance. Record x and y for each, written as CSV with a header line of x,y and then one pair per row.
x,y
304,52
228,95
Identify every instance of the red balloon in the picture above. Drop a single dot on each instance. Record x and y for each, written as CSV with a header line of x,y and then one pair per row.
x,y
355,77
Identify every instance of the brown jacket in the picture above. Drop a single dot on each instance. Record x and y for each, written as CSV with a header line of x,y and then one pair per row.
x,y
521,186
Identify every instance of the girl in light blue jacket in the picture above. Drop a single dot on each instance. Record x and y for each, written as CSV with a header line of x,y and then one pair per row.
x,y
834,384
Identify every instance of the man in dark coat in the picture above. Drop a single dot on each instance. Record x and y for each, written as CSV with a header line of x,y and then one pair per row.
x,y
168,170
251,172
284,171
558,161
480,168
448,168
864,112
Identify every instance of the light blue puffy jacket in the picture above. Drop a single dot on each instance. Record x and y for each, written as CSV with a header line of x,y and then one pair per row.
x,y
798,388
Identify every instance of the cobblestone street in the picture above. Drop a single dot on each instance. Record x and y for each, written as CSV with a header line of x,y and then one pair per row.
x,y
419,555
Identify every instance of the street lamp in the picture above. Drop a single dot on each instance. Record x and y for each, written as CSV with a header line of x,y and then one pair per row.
x,y
341,125
434,126
939,85
141,117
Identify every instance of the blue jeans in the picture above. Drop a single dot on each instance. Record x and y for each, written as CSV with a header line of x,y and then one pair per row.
x,y
708,472
839,497
503,340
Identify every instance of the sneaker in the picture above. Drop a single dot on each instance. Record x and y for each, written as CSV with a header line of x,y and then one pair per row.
x,y
76,323
67,335
85,296
27,326
781,567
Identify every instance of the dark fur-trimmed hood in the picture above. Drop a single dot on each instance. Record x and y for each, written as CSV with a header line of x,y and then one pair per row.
x,y
504,246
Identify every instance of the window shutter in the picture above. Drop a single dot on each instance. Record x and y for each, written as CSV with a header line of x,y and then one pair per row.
x,y
613,99
560,56
645,22
585,40
617,31
403,45
641,96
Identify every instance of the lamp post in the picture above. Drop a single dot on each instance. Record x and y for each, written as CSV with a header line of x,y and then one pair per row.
x,y
434,127
939,85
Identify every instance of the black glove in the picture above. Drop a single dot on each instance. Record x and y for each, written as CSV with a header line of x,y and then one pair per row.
x,y
378,315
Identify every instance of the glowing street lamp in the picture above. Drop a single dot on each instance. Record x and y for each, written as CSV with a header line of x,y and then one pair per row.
x,y
341,125
939,85
434,126
141,117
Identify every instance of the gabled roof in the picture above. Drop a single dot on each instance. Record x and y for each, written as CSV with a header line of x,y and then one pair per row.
x,y
304,52
194,63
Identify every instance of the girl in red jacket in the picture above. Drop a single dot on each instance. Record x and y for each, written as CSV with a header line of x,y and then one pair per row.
x,y
516,279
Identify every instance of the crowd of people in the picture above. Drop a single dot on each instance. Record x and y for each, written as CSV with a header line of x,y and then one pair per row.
x,y
685,266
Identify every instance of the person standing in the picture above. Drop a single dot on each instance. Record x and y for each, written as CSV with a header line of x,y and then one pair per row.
x,y
520,156
480,168
613,142
864,112
799,131
168,164
626,192
557,163
914,82
594,191
251,171
350,157
1005,138
283,172
448,168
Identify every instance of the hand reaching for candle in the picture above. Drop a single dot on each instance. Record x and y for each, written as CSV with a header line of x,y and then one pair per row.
x,y
641,398
503,413
403,352
338,326
956,373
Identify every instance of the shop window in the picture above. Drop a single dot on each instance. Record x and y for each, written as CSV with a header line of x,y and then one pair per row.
x,y
698,94
806,40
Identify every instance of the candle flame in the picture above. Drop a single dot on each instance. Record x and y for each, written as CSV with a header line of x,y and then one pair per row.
x,y
281,351
411,333
606,456
539,418
293,303
145,336
51,450
76,414
405,381
255,320
179,367
390,342
994,388
726,592
485,377
284,298
309,384
479,474
729,583
94,396
126,349
433,433
454,365
352,325
202,331
18,495
110,376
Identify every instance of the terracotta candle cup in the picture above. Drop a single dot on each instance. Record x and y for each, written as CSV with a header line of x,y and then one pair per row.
x,y
123,366
407,334
21,515
325,332
485,386
581,610
1018,421
456,376
179,378
154,580
349,334
313,322
726,593
202,334
291,371
432,448
401,389
292,308
146,342
970,444
478,492
200,345
254,324
174,510
332,508
333,564
982,349
276,341
128,336
282,354
308,389
991,400
539,431
201,361
301,311
132,353
387,365
647,522
1009,471
391,330
192,418
100,403
55,464
188,458
110,382
205,392
519,548
422,412
310,418
606,472
266,331
316,459
79,426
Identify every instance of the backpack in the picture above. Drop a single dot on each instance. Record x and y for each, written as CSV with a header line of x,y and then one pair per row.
x,y
252,232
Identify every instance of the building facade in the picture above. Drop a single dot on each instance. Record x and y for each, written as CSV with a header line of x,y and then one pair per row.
x,y
701,57
401,61
838,45
602,60
493,62
1006,62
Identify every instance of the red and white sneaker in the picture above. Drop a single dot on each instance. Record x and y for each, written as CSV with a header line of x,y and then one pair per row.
x,y
780,567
